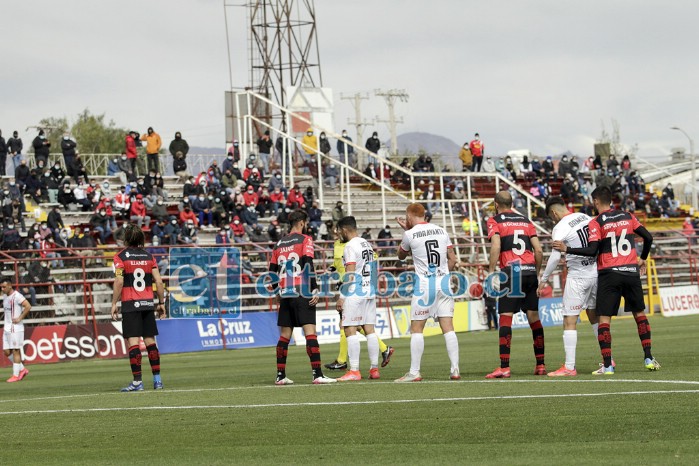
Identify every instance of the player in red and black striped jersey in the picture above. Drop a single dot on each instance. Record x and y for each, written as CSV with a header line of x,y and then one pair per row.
x,y
619,272
135,271
515,245
292,259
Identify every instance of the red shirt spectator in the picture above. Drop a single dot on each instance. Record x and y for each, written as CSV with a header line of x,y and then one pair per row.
x,y
188,214
477,147
138,208
237,227
277,196
45,246
131,152
106,204
295,196
250,196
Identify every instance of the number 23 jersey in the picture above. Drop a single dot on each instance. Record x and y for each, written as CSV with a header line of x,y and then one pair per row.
x,y
429,245
136,266
358,252
515,231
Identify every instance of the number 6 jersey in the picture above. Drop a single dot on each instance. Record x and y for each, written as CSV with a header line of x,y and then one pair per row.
x,y
136,266
428,244
515,232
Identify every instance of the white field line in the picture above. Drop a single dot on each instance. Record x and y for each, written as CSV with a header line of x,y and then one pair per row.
x,y
346,403
287,387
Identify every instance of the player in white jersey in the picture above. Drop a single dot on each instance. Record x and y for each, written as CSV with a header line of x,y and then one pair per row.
x,y
16,309
357,301
581,284
433,258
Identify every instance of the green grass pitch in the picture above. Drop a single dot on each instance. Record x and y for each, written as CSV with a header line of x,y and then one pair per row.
x,y
221,408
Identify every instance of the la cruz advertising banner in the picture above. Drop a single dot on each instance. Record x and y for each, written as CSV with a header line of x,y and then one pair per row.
x,y
328,327
56,343
250,330
679,300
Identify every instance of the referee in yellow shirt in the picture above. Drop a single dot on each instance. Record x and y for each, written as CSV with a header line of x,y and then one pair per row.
x,y
341,361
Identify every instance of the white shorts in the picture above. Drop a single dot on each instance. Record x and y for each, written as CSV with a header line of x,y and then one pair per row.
x,y
442,306
358,311
578,295
13,340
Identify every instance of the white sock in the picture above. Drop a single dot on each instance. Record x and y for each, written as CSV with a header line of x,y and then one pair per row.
x,y
372,343
15,369
452,349
353,352
417,346
570,341
594,330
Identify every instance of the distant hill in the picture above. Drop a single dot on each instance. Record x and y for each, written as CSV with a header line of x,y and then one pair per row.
x,y
431,144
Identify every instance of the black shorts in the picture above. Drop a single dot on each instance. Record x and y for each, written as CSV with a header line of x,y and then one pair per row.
x,y
139,324
296,312
612,286
529,302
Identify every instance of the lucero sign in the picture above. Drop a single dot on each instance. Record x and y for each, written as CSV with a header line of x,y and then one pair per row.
x,y
680,300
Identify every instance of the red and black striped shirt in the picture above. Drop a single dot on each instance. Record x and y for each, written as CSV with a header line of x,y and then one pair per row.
x,y
136,266
516,232
614,230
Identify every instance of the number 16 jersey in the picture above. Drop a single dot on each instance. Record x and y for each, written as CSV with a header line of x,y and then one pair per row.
x,y
429,244
614,229
515,231
136,266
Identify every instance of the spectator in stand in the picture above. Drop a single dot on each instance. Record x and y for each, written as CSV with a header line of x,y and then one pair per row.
x,y
54,220
227,165
122,202
68,147
14,148
276,181
80,194
315,216
324,144
477,151
277,200
219,212
250,196
536,167
190,189
511,168
488,165
172,232
187,214
100,223
373,145
342,145
429,196
385,242
331,175
564,167
234,150
264,148
138,212
308,197
274,231
295,199
222,237
159,210
214,174
66,196
153,145
420,164
526,167
22,173
11,238
238,230
41,150
202,208
626,165
258,235
33,187
549,172
309,143
79,170
255,179
229,182
669,192
371,171
629,205
158,230
338,212
613,165
113,168
131,150
38,272
264,202
3,154
178,145
189,233
126,173
179,166
366,234
588,165
466,157
249,216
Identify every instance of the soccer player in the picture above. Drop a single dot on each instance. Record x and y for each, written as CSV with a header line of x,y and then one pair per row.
x,y
16,308
581,284
433,257
341,361
357,301
292,258
135,270
513,242
619,273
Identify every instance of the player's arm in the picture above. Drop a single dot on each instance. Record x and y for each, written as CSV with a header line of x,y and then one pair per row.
x,y
647,243
116,294
451,259
538,253
160,290
404,248
305,262
494,252
590,250
26,307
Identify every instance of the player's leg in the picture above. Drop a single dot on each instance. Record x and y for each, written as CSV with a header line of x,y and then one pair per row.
x,y
608,300
575,295
132,328
150,331
352,316
530,283
285,323
633,301
445,315
341,361
418,317
305,315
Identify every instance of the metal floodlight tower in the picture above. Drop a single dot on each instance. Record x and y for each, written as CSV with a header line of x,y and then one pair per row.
x,y
283,48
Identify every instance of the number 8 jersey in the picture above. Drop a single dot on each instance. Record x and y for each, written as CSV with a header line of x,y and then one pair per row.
x,y
614,229
515,231
136,266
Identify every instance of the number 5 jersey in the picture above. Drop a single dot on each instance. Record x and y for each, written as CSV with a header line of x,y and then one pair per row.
x,y
516,232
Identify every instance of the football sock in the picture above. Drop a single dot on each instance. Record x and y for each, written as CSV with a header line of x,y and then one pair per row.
x,y
505,332
15,369
595,329
644,335
135,360
11,358
382,346
372,344
313,351
604,337
570,341
154,358
342,354
452,348
353,351
538,336
282,351
417,346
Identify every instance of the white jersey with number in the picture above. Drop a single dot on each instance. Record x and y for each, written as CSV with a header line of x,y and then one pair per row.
x,y
12,305
359,252
573,231
428,244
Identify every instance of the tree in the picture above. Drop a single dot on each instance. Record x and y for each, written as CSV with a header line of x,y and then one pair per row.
x,y
54,128
94,136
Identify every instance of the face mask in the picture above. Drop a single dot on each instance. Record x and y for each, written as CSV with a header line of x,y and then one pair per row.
x,y
222,233
123,157
12,183
47,174
279,177
344,135
44,264
230,157
42,137
201,198
160,202
431,189
211,198
235,165
103,214
375,137
309,134
236,222
174,222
